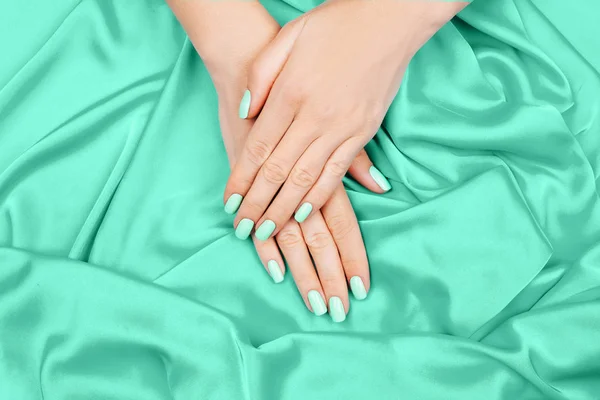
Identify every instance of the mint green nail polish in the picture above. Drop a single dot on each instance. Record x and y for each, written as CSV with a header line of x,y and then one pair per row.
x,y
275,271
379,179
336,309
233,203
303,212
245,105
317,303
265,229
358,288
244,228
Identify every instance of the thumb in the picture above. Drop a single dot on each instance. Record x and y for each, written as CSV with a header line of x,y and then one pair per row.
x,y
365,173
266,67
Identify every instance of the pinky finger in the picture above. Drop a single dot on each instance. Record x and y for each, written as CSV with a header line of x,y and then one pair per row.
x,y
365,173
269,255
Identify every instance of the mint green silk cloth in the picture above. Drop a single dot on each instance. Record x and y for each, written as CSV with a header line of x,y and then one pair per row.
x,y
121,279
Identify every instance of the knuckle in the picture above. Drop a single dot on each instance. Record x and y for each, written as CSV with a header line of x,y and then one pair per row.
x,y
289,238
258,151
303,178
374,113
340,226
319,241
293,93
326,112
273,172
337,168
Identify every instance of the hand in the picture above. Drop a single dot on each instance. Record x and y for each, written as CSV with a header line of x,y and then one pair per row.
x,y
326,83
228,37
330,236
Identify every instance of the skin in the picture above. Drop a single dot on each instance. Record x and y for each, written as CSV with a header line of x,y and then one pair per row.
x,y
330,236
229,36
315,117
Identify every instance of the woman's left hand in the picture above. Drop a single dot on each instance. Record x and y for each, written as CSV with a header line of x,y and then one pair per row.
x,y
326,82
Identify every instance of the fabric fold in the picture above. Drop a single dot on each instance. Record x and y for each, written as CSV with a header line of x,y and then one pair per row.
x,y
120,277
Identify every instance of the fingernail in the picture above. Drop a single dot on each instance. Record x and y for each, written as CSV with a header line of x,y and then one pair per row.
x,y
245,105
336,309
264,230
275,271
317,303
233,203
379,179
303,212
244,228
358,288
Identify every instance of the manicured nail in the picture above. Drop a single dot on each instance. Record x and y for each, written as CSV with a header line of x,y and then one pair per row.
x,y
317,303
264,230
303,212
233,203
336,309
245,105
358,288
379,179
275,271
244,228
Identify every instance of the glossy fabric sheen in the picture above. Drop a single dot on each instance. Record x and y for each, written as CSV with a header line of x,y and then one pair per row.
x,y
121,277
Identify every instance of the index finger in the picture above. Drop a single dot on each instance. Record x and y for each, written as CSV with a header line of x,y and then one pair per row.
x,y
262,139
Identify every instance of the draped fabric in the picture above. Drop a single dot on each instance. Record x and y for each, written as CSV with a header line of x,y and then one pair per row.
x,y
120,276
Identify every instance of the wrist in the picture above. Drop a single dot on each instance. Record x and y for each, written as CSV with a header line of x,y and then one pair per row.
x,y
414,22
229,52
227,35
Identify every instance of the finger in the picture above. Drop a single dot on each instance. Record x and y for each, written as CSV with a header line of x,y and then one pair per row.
x,y
301,178
335,168
365,173
343,225
271,177
262,139
269,255
272,123
329,266
294,250
266,67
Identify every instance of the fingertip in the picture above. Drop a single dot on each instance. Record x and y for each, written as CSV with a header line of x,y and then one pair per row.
x,y
358,288
245,102
316,302
365,173
362,174
337,309
303,212
269,254
265,230
275,270
244,228
380,179
366,181
233,202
